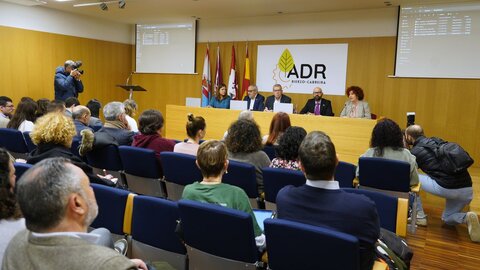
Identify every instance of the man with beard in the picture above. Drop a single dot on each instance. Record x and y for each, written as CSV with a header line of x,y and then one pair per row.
x,y
6,111
318,105
59,205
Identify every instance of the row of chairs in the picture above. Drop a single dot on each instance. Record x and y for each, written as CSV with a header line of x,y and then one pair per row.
x,y
17,143
217,237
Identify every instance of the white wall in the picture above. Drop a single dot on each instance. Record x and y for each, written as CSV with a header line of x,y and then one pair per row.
x,y
355,23
53,21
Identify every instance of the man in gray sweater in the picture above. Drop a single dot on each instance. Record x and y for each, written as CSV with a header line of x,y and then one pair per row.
x,y
59,205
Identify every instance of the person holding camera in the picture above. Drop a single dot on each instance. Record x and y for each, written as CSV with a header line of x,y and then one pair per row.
x,y
67,80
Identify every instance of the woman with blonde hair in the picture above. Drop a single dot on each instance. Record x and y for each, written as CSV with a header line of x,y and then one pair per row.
x,y
130,111
196,131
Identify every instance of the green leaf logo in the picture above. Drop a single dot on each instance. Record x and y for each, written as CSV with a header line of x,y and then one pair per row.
x,y
286,63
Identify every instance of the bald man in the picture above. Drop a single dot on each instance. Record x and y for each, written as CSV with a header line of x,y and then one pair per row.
x,y
81,117
318,105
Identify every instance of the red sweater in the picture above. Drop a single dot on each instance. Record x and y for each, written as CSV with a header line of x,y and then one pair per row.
x,y
154,142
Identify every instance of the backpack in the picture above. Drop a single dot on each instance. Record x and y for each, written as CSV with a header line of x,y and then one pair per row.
x,y
452,158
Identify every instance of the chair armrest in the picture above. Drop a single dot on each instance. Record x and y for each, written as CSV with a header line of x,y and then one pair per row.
x,y
416,188
127,218
402,215
377,265
356,182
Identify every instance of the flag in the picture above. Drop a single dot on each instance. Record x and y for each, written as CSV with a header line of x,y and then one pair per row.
x,y
218,73
246,76
206,81
232,79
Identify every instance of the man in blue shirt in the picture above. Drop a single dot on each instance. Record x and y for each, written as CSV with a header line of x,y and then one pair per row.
x,y
67,81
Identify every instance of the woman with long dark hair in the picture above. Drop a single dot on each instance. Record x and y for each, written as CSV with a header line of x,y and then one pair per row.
x,y
24,116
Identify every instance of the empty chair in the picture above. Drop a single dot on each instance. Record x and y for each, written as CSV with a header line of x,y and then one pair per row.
x,y
388,176
114,213
106,160
153,232
28,140
217,237
179,170
243,175
392,211
293,245
275,179
142,171
345,173
270,151
14,142
21,168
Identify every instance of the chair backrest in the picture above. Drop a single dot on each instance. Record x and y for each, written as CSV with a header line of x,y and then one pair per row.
x,y
111,208
139,161
21,168
13,140
154,221
218,231
384,174
275,179
387,208
28,140
270,151
293,245
180,168
345,173
242,175
107,158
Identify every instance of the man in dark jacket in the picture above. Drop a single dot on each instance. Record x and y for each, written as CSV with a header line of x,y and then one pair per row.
x,y
277,96
455,188
254,99
318,105
67,81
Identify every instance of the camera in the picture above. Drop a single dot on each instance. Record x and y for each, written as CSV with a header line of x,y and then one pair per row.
x,y
77,65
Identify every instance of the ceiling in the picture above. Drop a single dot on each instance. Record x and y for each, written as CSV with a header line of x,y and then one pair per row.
x,y
164,11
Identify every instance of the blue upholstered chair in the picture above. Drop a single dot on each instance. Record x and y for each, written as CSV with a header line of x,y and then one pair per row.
x,y
244,176
21,168
153,232
75,146
28,140
179,170
293,245
388,176
14,142
270,151
217,237
108,159
142,171
275,179
345,173
391,210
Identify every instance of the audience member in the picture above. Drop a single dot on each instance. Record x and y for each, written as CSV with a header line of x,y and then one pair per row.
x,y
254,99
42,107
6,107
244,144
280,122
246,115
70,103
116,129
321,202
355,107
11,220
221,100
212,160
94,106
151,125
67,81
456,188
53,135
81,118
195,131
56,106
387,142
59,205
277,97
24,116
318,105
130,112
287,149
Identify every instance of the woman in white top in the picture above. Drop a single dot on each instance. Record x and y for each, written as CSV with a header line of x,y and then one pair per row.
x,y
355,107
24,115
130,111
195,131
11,220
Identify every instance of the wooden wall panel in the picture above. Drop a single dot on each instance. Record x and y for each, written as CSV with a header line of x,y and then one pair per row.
x,y
29,58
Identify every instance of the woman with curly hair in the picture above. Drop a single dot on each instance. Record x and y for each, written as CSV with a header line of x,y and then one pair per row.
x,y
53,135
355,107
280,122
287,149
24,115
244,144
387,142
11,220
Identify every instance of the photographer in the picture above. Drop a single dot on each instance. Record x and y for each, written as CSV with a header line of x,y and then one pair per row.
x,y
67,80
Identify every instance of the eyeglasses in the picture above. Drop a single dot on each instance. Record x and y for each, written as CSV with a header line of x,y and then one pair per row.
x,y
250,91
10,106
317,93
277,90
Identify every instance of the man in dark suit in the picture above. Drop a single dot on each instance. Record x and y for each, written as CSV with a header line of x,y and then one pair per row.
x,y
321,202
258,100
277,96
318,105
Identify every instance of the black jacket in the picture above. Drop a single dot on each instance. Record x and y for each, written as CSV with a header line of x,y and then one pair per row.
x,y
258,102
427,161
325,107
271,100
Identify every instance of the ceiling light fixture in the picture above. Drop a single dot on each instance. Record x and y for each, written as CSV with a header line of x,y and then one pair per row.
x,y
103,5
121,4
